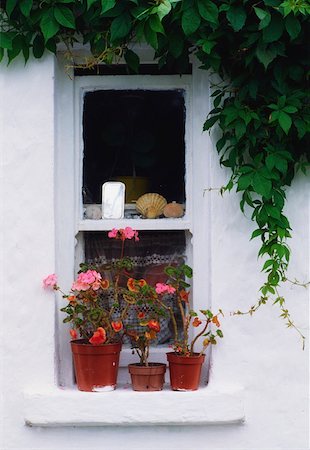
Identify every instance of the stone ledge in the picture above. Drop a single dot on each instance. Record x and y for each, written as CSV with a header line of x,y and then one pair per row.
x,y
56,407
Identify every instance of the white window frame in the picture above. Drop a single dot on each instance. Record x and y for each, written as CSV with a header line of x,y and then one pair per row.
x,y
196,220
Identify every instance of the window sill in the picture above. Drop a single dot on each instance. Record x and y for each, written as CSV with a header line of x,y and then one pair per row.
x,y
55,407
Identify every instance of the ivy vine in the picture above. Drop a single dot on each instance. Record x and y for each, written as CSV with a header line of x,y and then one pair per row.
x,y
262,112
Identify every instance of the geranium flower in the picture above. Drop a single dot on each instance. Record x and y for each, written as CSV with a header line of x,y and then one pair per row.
x,y
184,296
196,322
150,335
154,325
162,288
72,300
99,337
73,333
50,281
117,325
87,280
113,233
126,233
216,321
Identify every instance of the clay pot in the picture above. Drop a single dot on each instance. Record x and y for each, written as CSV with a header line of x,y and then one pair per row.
x,y
96,366
185,371
147,378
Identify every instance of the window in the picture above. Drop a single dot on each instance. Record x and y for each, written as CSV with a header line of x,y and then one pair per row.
x,y
140,126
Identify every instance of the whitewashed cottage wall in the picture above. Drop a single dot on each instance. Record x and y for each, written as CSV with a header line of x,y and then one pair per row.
x,y
258,353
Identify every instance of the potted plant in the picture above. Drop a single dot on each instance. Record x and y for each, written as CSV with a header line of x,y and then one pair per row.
x,y
96,332
145,375
185,362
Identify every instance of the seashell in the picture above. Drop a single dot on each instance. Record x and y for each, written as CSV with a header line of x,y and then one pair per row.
x,y
151,205
173,210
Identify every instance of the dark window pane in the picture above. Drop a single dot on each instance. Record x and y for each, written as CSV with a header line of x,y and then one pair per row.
x,y
136,133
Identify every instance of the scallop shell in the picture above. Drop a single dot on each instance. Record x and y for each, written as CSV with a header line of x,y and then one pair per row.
x,y
173,210
151,205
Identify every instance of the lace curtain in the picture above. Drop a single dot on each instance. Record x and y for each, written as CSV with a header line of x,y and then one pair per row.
x,y
150,256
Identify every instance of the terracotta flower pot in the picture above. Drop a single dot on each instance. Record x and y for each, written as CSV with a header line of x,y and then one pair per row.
x,y
185,371
96,366
150,378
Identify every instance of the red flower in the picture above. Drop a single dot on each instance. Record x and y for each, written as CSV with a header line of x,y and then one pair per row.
x,y
99,337
154,325
73,333
196,322
72,300
184,296
141,315
117,326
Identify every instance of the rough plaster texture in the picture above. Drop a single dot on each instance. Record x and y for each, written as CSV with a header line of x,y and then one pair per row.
x,y
258,352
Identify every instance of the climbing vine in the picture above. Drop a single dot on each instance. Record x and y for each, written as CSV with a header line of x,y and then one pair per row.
x,y
262,111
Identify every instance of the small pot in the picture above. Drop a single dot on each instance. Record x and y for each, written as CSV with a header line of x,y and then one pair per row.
x,y
96,366
185,371
147,378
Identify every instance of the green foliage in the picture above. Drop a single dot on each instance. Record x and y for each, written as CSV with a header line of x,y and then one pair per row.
x,y
262,112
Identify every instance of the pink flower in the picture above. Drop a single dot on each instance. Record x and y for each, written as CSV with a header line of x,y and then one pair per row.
x,y
87,280
113,233
162,288
126,233
50,281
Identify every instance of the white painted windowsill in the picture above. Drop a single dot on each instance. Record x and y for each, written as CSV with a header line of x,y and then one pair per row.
x,y
209,405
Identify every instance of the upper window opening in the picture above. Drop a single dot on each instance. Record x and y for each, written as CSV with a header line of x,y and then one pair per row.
x,y
134,136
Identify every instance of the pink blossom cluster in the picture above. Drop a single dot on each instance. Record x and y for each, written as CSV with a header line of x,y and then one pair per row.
x,y
87,280
162,288
50,281
123,233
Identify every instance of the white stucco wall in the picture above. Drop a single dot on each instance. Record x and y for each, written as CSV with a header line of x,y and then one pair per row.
x,y
258,352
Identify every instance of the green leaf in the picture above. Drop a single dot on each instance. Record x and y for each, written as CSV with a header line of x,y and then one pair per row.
x,y
210,122
25,7
190,21
274,30
132,59
208,46
156,24
290,109
244,181
6,40
64,16
292,26
48,24
163,9
120,26
236,16
10,5
219,333
208,10
107,5
150,36
265,55
267,264
1,53
261,13
261,185
90,3
176,44
285,121
257,233
38,46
